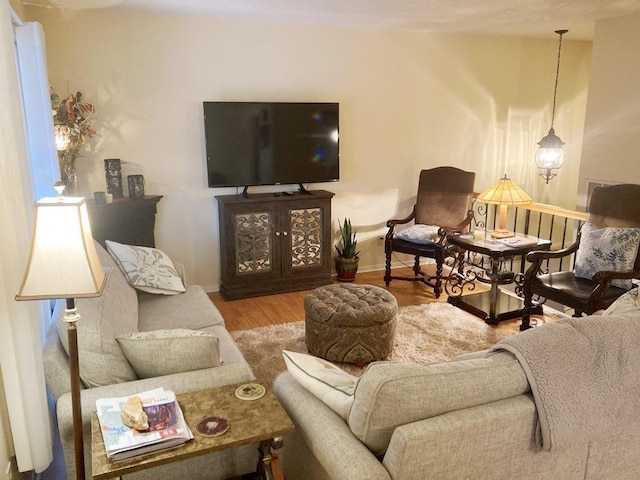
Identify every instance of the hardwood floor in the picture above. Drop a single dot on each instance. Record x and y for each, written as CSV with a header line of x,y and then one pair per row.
x,y
255,312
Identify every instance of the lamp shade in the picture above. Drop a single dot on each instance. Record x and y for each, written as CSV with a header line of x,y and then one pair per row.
x,y
504,192
63,262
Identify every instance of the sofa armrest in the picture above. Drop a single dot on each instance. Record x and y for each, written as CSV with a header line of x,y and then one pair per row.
x,y
322,440
497,439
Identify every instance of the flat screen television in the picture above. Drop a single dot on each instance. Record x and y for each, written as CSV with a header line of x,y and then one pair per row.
x,y
271,143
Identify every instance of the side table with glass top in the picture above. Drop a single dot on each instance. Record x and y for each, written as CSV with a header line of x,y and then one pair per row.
x,y
492,306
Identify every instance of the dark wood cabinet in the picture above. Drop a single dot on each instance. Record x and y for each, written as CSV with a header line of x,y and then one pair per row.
x,y
274,243
125,220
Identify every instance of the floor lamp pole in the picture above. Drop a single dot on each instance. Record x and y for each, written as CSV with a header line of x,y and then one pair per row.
x,y
71,317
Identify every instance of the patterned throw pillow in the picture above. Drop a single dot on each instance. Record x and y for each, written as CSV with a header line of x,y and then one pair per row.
x,y
419,233
609,248
164,352
147,269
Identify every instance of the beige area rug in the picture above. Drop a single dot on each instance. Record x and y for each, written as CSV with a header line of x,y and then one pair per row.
x,y
429,333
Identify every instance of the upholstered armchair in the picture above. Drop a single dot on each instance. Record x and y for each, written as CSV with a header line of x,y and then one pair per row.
x,y
606,256
443,205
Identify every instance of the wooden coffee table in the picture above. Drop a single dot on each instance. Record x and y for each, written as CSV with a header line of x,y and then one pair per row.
x,y
262,421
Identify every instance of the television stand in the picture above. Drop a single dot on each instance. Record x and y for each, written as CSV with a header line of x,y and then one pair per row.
x,y
301,189
274,243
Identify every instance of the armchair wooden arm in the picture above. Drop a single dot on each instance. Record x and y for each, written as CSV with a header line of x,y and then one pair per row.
x,y
459,228
391,224
536,258
602,280
603,275
541,255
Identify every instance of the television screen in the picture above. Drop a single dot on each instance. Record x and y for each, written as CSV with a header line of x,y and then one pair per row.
x,y
251,143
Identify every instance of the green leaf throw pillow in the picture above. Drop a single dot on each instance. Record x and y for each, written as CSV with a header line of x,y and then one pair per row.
x,y
610,248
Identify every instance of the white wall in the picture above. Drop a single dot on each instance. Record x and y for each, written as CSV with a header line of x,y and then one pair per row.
x,y
611,148
409,100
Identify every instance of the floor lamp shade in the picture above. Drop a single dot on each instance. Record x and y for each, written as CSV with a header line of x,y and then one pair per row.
x,y
63,262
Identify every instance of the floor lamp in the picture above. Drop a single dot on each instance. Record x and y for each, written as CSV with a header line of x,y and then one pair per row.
x,y
63,263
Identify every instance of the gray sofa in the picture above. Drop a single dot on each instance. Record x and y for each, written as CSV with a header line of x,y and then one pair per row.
x,y
105,369
470,418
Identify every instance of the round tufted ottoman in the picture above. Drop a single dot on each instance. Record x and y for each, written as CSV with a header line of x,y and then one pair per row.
x,y
350,323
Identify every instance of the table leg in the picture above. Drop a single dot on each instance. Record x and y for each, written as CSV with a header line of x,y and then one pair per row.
x,y
265,457
493,299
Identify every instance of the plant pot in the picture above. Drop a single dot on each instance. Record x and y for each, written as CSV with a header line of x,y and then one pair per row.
x,y
346,268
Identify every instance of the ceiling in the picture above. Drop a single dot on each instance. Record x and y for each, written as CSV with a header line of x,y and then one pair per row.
x,y
502,17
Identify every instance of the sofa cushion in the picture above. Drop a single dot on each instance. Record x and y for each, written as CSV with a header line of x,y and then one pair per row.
x,y
391,394
102,318
608,248
164,352
192,309
332,385
147,269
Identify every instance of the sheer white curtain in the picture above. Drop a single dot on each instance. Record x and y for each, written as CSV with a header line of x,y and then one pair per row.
x,y
20,328
34,82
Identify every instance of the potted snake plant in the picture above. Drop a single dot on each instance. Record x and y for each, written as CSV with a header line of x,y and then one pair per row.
x,y
346,261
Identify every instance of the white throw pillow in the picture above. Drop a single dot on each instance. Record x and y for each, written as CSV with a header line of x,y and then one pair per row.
x,y
164,352
419,233
147,269
330,384
609,248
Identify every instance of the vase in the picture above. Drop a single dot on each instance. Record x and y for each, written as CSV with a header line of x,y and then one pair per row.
x,y
346,268
68,175
136,186
113,176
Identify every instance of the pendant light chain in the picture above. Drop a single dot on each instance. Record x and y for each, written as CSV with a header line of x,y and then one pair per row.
x,y
550,156
555,87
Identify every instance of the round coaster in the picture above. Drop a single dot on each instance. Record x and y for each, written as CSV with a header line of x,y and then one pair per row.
x,y
250,391
212,426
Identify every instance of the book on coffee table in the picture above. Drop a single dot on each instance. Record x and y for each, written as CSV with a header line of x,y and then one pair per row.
x,y
167,427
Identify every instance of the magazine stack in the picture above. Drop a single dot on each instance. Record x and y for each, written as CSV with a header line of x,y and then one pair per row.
x,y
166,425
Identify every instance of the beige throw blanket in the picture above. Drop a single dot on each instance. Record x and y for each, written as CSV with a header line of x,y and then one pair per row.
x,y
584,374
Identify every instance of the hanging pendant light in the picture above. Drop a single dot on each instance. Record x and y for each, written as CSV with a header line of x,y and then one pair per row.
x,y
550,155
